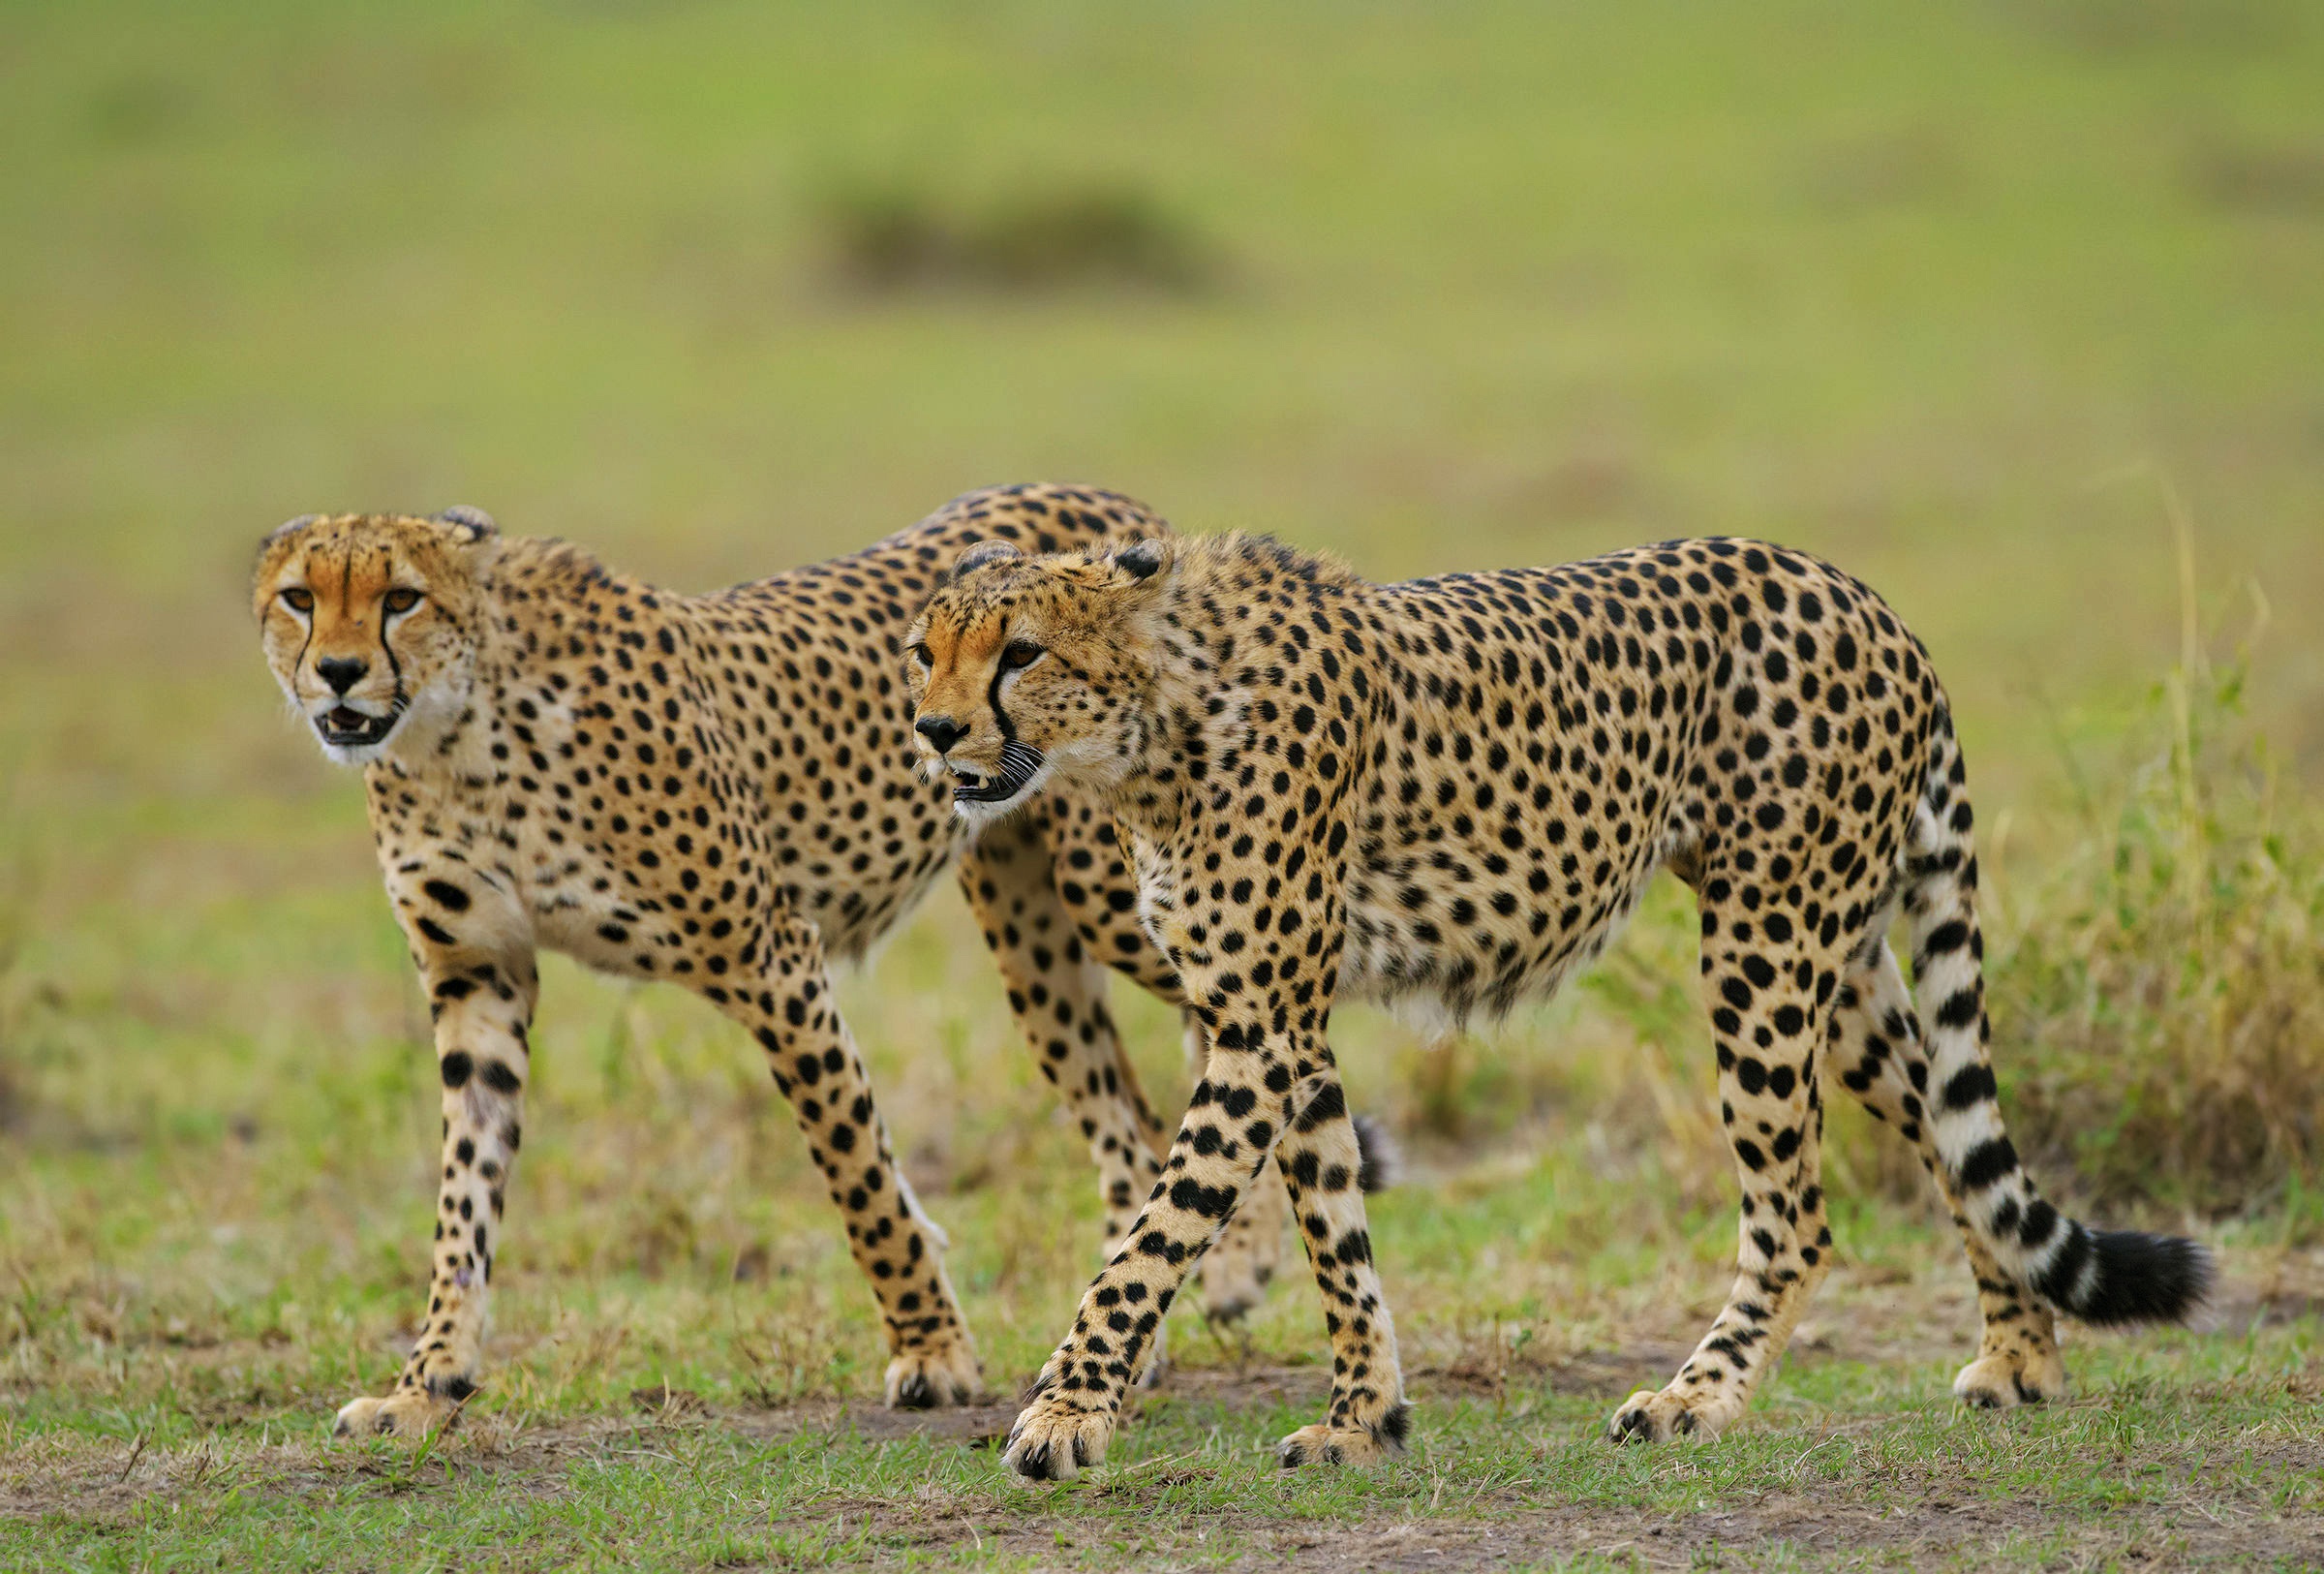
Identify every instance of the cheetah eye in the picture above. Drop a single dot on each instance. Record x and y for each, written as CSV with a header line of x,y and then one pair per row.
x,y
400,600
1020,654
299,601
919,653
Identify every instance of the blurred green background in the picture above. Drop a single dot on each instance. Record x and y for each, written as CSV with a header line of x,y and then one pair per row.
x,y
1973,298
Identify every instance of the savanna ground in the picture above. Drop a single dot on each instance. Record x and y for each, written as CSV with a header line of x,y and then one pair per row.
x,y
2017,311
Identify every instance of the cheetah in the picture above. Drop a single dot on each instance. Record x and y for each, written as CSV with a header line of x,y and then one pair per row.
x,y
1455,790
713,790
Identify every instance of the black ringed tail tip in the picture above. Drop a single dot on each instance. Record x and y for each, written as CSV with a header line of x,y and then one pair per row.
x,y
2114,1277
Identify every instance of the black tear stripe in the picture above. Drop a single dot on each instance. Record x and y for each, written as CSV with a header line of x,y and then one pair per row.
x,y
1000,717
388,651
395,700
306,638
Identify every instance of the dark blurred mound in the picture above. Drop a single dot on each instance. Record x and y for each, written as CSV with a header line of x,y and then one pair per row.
x,y
889,239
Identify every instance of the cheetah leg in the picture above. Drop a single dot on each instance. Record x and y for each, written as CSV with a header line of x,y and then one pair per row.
x,y
484,1008
1269,1085
1220,1152
1096,885
1878,1048
816,1065
1236,1269
1058,994
1322,1162
1765,1019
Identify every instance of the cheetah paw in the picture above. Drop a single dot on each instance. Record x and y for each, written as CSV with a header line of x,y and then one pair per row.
x,y
1649,1416
2009,1379
1360,1446
408,1412
928,1379
1053,1441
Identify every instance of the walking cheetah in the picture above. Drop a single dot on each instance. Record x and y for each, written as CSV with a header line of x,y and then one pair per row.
x,y
1458,789
713,790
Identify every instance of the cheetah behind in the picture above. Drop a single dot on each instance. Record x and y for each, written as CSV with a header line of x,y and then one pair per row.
x,y
713,790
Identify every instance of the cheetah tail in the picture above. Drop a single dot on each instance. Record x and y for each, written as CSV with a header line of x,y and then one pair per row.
x,y
1383,1164
2098,1275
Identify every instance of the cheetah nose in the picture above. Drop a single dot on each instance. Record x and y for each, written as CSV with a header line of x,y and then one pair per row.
x,y
941,730
340,672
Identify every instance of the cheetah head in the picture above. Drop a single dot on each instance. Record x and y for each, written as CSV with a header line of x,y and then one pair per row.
x,y
369,621
1029,670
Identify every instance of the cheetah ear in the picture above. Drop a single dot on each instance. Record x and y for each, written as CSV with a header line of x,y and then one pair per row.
x,y
468,525
288,527
1143,559
982,555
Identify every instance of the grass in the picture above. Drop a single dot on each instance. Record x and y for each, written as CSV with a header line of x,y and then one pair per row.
x,y
2169,978
1964,299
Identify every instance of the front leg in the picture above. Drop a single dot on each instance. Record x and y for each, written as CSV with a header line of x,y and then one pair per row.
x,y
796,1019
483,1007
1241,1262
1069,860
1268,1080
1249,1102
1322,1164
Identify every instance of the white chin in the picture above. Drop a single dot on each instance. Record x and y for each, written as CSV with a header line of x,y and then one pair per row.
x,y
357,751
355,755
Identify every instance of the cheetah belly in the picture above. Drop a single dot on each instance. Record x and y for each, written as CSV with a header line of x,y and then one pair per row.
x,y
573,918
1466,926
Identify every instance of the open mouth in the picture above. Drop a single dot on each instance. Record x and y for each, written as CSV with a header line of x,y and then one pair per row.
x,y
342,726
1018,764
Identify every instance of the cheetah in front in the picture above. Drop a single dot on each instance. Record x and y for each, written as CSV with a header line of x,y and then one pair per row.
x,y
1458,789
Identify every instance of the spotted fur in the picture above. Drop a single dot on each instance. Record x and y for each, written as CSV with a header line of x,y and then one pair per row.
x,y
1455,790
713,790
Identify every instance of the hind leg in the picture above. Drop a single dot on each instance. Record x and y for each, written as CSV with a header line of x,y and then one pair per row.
x,y
1876,1049
790,1009
1057,992
1767,999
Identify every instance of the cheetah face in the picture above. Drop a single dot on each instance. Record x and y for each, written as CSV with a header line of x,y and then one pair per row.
x,y
369,622
1025,670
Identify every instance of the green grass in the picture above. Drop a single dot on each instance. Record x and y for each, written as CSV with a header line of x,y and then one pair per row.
x,y
1192,1486
1963,297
